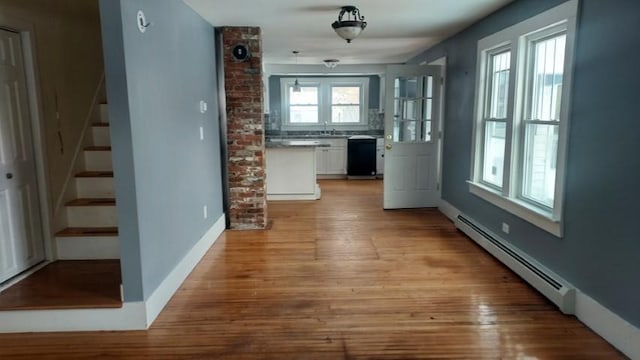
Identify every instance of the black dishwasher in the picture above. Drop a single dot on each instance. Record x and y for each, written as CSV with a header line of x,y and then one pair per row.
x,y
361,157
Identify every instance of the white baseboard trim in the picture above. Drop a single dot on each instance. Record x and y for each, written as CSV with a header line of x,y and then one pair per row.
x,y
448,210
614,329
291,197
617,331
161,296
131,316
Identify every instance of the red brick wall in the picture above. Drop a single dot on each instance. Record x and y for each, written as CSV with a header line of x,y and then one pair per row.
x,y
245,130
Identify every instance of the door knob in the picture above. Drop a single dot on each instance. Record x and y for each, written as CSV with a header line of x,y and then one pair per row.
x,y
9,176
388,146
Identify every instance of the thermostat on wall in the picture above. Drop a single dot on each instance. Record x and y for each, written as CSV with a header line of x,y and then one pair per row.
x,y
240,52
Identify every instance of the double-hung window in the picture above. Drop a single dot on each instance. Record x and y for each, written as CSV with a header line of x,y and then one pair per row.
x,y
319,103
521,116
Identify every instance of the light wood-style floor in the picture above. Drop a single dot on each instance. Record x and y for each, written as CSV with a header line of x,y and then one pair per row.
x,y
342,279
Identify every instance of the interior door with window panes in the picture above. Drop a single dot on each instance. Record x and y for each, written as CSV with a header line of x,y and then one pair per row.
x,y
411,137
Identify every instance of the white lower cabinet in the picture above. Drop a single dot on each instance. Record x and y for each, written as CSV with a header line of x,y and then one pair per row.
x,y
332,160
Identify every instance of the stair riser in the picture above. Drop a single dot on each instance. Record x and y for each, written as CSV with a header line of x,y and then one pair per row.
x,y
88,248
95,187
98,160
91,216
101,136
104,113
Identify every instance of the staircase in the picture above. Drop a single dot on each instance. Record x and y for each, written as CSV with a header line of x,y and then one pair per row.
x,y
91,230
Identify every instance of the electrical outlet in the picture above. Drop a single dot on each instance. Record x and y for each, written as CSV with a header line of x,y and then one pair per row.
x,y
204,212
203,106
505,228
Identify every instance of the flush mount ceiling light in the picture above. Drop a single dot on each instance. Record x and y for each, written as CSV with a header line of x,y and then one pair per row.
x,y
296,84
330,63
350,28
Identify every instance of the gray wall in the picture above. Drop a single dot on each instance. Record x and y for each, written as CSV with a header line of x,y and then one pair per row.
x,y
164,173
600,250
275,94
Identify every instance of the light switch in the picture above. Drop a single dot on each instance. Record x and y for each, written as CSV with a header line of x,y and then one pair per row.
x,y
201,133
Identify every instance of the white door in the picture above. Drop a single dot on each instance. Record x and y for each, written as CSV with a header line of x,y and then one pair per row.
x,y
411,136
21,244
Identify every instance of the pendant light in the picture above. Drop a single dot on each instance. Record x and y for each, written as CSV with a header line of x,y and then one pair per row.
x,y
296,84
350,28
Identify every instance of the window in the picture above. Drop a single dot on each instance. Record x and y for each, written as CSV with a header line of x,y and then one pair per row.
x,y
322,102
523,93
303,105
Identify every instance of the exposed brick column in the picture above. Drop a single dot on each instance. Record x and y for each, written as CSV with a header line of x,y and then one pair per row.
x,y
245,130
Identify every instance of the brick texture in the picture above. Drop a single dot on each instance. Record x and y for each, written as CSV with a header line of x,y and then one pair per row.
x,y
245,130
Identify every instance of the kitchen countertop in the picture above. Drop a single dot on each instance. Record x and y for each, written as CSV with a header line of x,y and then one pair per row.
x,y
279,144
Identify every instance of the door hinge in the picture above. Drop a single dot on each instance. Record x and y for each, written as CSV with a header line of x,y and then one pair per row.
x,y
441,80
439,134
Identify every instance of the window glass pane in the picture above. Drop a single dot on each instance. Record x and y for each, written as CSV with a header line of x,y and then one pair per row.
x,y
427,109
345,95
404,131
345,114
547,73
426,131
539,168
308,95
303,114
499,68
405,86
410,109
494,143
428,83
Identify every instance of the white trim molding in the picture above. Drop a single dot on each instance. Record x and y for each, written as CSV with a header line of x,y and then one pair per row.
x,y
448,210
614,329
161,296
131,316
617,331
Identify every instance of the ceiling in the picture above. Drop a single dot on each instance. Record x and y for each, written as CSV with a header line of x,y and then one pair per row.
x,y
396,31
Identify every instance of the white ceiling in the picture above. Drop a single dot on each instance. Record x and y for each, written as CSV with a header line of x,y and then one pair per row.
x,y
396,31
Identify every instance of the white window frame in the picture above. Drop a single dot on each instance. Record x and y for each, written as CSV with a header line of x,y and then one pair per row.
x,y
517,39
324,102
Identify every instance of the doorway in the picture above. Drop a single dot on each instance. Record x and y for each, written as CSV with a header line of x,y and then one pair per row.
x,y
21,234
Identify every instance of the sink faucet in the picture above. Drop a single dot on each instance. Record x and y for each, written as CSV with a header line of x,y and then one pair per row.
x,y
325,128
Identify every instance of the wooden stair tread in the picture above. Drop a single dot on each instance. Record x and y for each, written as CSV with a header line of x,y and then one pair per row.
x,y
97,148
92,202
100,124
100,174
88,231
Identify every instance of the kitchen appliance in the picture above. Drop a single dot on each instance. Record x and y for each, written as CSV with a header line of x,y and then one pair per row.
x,y
361,157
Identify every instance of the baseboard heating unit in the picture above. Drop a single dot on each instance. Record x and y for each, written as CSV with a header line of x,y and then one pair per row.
x,y
549,284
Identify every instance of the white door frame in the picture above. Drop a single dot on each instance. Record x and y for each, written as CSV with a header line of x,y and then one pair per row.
x,y
27,31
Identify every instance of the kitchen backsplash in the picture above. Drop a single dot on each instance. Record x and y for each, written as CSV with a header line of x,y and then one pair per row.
x,y
273,123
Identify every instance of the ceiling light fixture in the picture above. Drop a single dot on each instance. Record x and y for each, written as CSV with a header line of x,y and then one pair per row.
x,y
350,28
296,84
330,63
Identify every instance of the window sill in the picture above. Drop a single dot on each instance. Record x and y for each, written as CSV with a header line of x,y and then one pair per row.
x,y
535,216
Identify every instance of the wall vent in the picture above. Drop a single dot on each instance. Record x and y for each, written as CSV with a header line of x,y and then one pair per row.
x,y
544,280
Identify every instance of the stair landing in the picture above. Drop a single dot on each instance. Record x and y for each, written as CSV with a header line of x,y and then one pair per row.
x,y
73,284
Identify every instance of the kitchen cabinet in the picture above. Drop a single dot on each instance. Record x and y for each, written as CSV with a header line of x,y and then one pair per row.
x,y
332,160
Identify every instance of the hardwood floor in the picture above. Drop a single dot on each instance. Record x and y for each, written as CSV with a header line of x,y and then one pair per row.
x,y
67,285
340,278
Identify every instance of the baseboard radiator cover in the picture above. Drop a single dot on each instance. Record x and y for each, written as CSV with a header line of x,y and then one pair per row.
x,y
542,279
